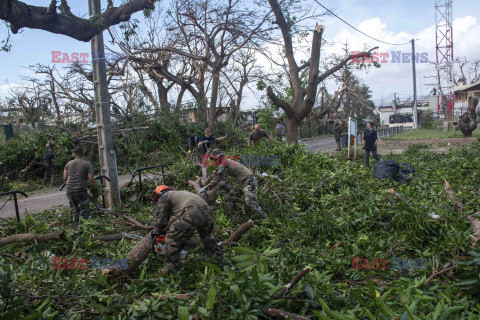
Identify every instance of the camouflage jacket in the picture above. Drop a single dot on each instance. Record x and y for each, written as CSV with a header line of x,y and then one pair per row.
x,y
173,204
233,168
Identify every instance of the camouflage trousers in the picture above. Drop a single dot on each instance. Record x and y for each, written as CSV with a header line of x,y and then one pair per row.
x,y
181,231
338,141
80,205
248,188
50,174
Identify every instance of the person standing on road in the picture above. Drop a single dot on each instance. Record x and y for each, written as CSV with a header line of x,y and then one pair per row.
x,y
49,165
370,138
76,173
258,134
337,130
206,144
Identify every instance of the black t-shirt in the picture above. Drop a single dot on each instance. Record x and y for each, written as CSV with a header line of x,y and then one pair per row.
x,y
192,141
49,156
207,144
370,137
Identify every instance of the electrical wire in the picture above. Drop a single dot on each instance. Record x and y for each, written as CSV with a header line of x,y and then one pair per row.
x,y
348,24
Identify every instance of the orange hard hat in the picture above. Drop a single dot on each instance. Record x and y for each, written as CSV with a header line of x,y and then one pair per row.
x,y
159,191
161,188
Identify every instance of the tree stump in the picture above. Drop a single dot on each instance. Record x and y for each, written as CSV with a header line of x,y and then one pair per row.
x,y
468,121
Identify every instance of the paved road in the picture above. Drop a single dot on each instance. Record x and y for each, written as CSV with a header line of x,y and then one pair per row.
x,y
48,199
320,144
52,198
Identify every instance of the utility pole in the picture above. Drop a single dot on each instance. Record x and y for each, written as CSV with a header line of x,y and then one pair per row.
x,y
102,112
415,120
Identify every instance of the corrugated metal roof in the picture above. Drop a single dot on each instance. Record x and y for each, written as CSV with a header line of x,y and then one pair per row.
x,y
465,87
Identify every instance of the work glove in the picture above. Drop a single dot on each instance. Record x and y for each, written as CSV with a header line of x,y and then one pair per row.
x,y
202,190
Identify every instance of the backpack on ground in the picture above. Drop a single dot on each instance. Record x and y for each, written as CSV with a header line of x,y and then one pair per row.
x,y
391,169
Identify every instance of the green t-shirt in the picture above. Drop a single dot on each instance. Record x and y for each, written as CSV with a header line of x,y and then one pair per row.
x,y
78,171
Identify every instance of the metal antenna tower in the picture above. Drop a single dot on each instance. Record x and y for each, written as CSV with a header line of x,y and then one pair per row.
x,y
444,55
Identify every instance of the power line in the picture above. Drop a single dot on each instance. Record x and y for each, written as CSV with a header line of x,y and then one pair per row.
x,y
348,24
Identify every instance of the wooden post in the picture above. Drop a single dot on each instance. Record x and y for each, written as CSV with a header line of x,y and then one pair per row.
x,y
355,149
348,142
102,112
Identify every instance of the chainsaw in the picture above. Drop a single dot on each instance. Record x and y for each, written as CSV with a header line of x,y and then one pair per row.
x,y
158,244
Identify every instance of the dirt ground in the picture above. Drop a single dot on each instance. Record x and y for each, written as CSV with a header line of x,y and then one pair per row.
x,y
436,145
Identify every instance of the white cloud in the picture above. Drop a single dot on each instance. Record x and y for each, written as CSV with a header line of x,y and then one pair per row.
x,y
397,77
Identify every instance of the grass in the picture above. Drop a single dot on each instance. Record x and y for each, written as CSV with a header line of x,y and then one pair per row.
x,y
431,134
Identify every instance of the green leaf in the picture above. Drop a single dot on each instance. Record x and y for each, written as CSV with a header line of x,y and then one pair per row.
x,y
183,313
310,292
211,297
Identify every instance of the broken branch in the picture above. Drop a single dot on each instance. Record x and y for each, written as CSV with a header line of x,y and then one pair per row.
x,y
289,285
458,205
281,314
238,234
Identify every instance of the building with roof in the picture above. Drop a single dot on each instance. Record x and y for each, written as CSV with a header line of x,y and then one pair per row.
x,y
400,113
461,96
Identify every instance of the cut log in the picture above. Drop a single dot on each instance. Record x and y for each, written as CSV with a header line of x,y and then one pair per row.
x,y
164,297
135,257
458,205
281,314
292,283
238,234
31,237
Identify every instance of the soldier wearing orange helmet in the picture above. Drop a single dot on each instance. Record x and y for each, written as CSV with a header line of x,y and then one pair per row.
x,y
179,214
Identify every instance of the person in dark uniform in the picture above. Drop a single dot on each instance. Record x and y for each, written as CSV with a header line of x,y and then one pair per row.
x,y
370,138
206,143
258,134
49,165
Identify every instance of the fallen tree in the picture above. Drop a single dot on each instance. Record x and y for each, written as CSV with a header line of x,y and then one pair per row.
x,y
141,250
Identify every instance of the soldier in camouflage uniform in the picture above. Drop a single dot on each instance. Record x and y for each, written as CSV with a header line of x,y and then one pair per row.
x,y
337,130
179,214
239,172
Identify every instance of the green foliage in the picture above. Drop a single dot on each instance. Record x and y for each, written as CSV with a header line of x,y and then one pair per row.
x,y
322,211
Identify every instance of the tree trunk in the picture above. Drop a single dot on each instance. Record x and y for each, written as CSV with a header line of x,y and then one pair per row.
x,y
468,121
136,256
163,97
212,111
180,98
292,130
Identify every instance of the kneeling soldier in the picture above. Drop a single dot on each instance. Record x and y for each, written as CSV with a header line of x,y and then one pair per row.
x,y
179,214
239,172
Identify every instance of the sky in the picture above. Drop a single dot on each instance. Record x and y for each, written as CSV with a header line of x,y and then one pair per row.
x,y
390,21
